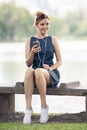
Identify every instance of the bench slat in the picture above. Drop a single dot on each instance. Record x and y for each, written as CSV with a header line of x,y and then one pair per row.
x,y
70,88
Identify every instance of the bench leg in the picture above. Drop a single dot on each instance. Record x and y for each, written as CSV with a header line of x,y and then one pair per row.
x,y
7,103
86,104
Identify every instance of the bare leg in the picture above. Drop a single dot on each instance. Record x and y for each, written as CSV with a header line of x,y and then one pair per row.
x,y
29,86
42,78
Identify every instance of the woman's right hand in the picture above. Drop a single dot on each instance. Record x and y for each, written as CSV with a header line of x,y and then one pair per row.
x,y
36,49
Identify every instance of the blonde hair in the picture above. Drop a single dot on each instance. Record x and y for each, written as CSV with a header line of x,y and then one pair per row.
x,y
40,16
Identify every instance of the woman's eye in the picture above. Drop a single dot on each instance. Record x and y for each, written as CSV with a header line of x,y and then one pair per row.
x,y
47,24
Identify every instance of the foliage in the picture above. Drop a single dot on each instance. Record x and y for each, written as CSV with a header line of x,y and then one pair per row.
x,y
16,23
54,126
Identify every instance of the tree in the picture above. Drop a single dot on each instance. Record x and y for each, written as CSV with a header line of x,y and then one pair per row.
x,y
15,22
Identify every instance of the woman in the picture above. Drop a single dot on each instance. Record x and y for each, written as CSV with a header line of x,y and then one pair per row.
x,y
40,50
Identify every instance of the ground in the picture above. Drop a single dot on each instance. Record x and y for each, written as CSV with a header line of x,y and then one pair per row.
x,y
53,118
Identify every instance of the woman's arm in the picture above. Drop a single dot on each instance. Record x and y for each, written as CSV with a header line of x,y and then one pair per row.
x,y
57,54
29,53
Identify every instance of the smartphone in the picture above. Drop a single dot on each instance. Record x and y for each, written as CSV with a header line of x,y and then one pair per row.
x,y
36,43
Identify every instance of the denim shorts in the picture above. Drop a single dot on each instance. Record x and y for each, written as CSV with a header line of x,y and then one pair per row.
x,y
55,78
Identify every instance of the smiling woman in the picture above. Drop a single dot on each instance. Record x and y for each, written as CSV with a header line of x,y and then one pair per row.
x,y
44,71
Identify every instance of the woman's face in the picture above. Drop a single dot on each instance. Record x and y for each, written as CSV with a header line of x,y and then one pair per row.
x,y
43,26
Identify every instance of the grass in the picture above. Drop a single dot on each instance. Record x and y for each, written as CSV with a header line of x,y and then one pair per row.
x,y
37,126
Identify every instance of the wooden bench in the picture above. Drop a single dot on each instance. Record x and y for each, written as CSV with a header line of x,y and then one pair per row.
x,y
7,93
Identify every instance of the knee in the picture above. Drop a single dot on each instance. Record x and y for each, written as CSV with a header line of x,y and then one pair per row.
x,y
38,73
29,73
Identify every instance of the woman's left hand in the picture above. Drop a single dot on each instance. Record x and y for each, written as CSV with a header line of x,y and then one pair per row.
x,y
46,66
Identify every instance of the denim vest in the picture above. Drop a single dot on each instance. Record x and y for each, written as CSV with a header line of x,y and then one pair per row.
x,y
46,55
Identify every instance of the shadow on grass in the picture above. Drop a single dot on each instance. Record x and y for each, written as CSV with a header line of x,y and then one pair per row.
x,y
53,118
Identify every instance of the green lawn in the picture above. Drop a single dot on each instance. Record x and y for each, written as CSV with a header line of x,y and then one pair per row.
x,y
54,126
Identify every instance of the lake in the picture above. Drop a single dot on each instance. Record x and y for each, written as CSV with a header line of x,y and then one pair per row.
x,y
74,67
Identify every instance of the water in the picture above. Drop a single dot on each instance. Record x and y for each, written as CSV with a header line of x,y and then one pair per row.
x,y
74,67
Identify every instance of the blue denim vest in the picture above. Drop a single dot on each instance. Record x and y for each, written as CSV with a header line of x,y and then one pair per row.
x,y
46,55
